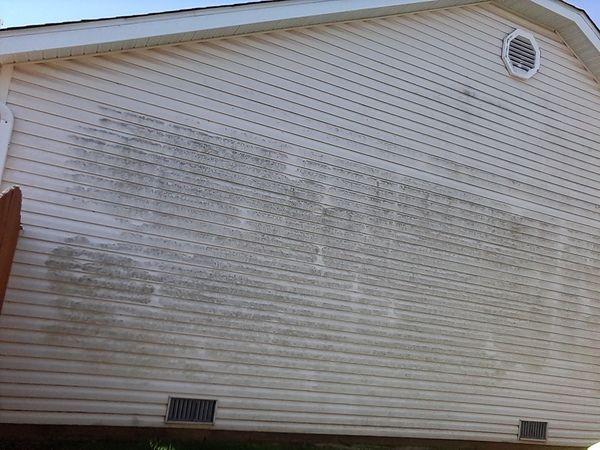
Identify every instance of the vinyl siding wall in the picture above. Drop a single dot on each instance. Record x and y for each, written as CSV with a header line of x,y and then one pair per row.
x,y
360,228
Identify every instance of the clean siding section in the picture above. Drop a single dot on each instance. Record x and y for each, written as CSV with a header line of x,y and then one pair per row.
x,y
360,228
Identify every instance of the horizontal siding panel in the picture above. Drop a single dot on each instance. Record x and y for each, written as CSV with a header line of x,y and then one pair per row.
x,y
487,221
189,188
564,63
384,279
476,199
171,250
417,357
65,418
417,391
209,278
561,163
239,330
232,332
290,411
491,190
227,70
358,228
247,398
239,367
424,162
488,22
553,75
356,56
160,281
424,258
420,130
478,220
79,406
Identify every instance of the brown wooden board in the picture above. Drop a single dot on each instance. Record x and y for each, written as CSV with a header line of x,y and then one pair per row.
x,y
10,225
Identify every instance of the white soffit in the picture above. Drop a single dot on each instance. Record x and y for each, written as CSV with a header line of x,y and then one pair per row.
x,y
38,43
99,36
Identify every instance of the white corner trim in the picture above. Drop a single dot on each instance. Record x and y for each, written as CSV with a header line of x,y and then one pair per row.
x,y
5,76
6,116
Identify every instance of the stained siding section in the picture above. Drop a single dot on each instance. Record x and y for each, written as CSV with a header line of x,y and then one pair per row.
x,y
360,228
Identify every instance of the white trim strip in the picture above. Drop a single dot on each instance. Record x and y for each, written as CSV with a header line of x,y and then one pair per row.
x,y
6,116
5,76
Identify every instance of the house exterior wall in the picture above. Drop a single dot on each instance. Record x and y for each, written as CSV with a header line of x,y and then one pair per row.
x,y
362,228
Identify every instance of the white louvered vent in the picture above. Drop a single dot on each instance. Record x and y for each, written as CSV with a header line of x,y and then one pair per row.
x,y
521,54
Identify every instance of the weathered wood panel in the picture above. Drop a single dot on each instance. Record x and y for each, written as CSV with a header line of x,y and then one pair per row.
x,y
362,228
10,225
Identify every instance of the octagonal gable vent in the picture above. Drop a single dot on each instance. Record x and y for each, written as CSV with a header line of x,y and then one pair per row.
x,y
521,54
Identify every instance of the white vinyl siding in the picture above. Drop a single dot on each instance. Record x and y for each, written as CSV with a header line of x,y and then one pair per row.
x,y
358,228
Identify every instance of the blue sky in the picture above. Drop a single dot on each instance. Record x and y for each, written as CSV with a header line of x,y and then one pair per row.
x,y
28,12
591,6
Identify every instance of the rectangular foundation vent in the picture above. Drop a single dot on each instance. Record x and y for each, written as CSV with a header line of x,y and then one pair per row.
x,y
533,431
191,410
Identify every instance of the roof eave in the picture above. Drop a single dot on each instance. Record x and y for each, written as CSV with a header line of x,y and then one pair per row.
x,y
34,44
573,24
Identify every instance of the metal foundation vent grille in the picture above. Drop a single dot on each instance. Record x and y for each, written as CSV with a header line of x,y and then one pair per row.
x,y
191,410
533,431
